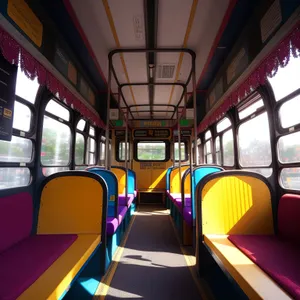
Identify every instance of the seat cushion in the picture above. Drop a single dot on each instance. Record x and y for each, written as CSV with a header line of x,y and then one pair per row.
x,y
122,210
187,215
15,219
277,257
23,263
113,223
175,196
187,200
123,202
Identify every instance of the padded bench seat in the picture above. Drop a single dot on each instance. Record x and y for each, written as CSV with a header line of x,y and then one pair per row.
x,y
123,202
247,274
112,223
61,266
279,258
187,215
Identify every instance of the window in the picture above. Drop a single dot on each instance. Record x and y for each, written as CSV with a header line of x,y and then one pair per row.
x,y
289,113
121,151
57,110
200,151
286,79
91,151
102,151
208,148
79,149
25,87
92,131
17,150
286,89
81,125
254,146
223,124
16,156
218,150
56,138
228,151
254,142
151,151
22,117
183,147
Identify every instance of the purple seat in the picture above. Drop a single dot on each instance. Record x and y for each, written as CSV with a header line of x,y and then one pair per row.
x,y
278,255
23,263
187,201
123,202
112,223
178,204
187,216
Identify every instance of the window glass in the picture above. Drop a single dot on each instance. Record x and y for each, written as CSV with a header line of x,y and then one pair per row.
x,y
81,125
208,154
22,117
79,149
289,148
151,151
228,151
207,135
267,172
243,113
223,124
14,177
92,131
50,171
91,146
17,150
56,143
102,151
122,151
218,152
58,110
290,178
254,142
200,152
286,79
289,112
183,151
25,87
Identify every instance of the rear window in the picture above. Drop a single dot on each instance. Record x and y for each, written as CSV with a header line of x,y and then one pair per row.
x,y
151,151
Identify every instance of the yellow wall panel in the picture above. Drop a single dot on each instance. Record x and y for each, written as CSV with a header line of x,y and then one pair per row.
x,y
236,205
71,204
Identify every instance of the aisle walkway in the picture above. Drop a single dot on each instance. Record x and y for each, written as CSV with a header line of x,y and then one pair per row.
x,y
152,265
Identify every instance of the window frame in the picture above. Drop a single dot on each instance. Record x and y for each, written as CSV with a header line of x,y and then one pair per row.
x,y
60,120
248,101
210,140
167,150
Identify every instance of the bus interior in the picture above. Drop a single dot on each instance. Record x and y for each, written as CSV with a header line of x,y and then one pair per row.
x,y
149,149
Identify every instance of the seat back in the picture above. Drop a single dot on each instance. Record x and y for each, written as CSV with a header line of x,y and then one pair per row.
x,y
16,218
112,186
289,217
234,202
73,202
120,173
175,178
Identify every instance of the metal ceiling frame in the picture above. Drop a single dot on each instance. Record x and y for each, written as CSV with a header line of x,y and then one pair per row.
x,y
192,76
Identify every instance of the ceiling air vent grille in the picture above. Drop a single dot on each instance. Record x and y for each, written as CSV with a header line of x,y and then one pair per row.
x,y
165,71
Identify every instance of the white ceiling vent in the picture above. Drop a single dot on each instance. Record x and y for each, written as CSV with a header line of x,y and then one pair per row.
x,y
165,71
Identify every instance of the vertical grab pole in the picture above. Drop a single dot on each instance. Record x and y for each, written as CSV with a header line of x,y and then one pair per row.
x,y
179,144
195,114
107,117
126,154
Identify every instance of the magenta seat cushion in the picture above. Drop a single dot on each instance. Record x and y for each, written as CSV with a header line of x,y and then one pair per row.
x,y
187,216
289,217
123,202
15,219
122,210
111,225
23,263
187,201
277,257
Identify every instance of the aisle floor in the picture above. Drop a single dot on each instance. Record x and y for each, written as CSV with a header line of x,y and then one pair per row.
x,y
152,265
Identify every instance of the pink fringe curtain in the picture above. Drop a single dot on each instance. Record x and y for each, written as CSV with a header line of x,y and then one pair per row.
x,y
279,57
12,51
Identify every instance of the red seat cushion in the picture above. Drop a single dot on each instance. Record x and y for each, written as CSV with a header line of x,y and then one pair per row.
x,y
277,257
23,263
289,217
